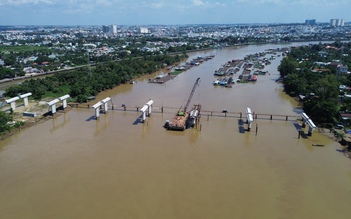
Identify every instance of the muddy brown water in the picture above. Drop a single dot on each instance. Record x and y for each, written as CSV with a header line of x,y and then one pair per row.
x,y
76,167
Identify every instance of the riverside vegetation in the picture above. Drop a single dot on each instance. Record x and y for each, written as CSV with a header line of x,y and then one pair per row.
x,y
85,82
312,71
318,75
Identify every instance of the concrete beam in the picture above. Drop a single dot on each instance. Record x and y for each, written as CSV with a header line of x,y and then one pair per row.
x,y
97,105
106,100
144,108
150,103
248,110
53,102
64,97
25,95
13,99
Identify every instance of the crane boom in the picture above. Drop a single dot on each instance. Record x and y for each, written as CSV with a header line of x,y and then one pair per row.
x,y
191,94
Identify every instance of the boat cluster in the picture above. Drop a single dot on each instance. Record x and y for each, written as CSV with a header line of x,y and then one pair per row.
x,y
174,71
195,62
250,67
225,81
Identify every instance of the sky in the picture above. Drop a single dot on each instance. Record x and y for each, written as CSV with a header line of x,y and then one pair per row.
x,y
169,12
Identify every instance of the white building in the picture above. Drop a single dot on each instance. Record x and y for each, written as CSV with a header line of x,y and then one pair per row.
x,y
337,22
342,22
144,30
114,29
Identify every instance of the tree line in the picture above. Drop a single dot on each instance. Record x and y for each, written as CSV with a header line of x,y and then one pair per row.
x,y
83,83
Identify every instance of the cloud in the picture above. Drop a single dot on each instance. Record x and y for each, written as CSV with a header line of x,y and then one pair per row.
x,y
159,4
22,2
315,3
198,3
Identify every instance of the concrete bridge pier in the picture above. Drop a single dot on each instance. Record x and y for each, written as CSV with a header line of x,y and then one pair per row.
x,y
143,111
249,118
25,98
52,105
105,103
97,109
64,100
310,130
146,110
12,102
149,104
311,125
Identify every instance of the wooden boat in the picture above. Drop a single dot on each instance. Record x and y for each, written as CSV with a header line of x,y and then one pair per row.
x,y
318,145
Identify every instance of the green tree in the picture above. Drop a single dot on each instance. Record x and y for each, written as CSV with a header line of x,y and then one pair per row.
x,y
321,111
326,88
4,119
287,66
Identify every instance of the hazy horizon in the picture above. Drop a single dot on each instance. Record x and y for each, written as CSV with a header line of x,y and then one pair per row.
x,y
167,12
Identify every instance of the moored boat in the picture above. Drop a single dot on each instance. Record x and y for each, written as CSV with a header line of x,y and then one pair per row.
x,y
318,145
216,82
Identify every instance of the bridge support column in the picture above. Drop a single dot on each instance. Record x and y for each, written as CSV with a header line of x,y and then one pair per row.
x,y
149,104
311,125
249,127
104,102
52,105
64,100
97,109
143,112
97,113
64,104
12,102
13,105
143,117
25,98
249,118
25,101
53,109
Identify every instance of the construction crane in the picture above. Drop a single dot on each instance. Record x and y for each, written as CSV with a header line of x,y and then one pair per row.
x,y
179,122
191,94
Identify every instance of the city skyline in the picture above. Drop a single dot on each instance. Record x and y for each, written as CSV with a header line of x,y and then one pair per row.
x,y
168,12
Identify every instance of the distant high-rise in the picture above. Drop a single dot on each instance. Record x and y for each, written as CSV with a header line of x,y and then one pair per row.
x,y
333,22
337,22
105,29
114,29
310,22
144,30
342,22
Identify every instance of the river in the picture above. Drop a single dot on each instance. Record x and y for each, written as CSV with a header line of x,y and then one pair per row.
x,y
74,166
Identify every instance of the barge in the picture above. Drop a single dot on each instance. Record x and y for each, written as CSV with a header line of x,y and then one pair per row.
x,y
181,120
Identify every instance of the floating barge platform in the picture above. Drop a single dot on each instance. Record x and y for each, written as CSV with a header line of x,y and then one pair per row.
x,y
183,120
163,79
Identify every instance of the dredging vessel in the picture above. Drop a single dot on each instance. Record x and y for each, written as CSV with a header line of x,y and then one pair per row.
x,y
184,119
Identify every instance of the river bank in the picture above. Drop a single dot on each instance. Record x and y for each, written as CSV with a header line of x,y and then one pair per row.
x,y
41,113
118,166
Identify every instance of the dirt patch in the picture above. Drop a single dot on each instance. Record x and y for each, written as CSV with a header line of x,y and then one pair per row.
x,y
34,113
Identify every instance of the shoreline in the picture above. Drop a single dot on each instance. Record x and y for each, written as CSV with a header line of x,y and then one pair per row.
x,y
26,125
42,118
31,121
